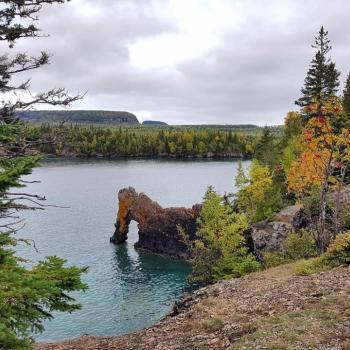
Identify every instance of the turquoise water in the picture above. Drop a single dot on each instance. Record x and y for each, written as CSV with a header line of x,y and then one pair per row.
x,y
129,290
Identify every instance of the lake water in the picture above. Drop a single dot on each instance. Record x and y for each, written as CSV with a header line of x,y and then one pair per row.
x,y
128,290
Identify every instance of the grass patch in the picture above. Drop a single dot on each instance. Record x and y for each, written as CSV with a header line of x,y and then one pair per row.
x,y
212,324
321,325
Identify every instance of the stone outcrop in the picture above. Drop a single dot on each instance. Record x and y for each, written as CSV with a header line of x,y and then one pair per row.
x,y
157,226
270,235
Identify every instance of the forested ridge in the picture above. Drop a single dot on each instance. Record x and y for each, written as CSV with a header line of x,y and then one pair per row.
x,y
79,116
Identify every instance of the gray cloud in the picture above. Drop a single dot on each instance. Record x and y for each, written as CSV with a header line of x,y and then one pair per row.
x,y
253,75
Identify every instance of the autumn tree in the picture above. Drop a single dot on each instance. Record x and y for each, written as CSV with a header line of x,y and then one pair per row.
x,y
322,165
256,197
322,79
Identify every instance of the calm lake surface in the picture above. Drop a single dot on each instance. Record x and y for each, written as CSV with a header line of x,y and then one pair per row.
x,y
129,290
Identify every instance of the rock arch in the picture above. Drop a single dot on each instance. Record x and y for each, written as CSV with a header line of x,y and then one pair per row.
x,y
157,226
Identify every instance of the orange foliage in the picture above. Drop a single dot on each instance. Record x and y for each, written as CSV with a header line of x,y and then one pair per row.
x,y
326,152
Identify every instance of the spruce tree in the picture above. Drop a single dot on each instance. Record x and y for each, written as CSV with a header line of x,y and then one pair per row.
x,y
322,79
266,150
346,98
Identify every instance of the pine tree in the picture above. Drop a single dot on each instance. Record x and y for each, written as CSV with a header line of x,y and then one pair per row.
x,y
346,98
266,150
322,79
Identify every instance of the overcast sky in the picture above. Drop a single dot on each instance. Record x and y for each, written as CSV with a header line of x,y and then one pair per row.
x,y
188,61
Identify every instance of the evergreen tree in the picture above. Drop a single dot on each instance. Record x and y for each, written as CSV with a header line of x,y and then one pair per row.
x,y
220,251
346,98
322,79
266,151
28,293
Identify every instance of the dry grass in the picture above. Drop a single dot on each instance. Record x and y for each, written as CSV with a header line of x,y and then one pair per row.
x,y
325,324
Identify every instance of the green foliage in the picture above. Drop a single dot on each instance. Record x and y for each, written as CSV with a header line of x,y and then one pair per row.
x,y
291,141
29,293
28,296
346,98
267,149
344,216
274,259
322,79
338,253
300,245
293,125
144,141
257,196
220,252
309,267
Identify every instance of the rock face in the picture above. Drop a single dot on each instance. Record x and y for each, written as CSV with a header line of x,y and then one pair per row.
x,y
158,227
269,235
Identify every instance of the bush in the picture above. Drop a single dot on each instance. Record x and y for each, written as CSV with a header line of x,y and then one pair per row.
x,y
275,259
309,267
344,216
300,245
337,254
297,246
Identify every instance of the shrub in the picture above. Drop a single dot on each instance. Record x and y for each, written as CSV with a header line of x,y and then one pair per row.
x,y
344,216
297,246
309,267
337,254
300,245
275,259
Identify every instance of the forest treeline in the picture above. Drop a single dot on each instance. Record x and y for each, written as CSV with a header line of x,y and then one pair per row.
x,y
113,142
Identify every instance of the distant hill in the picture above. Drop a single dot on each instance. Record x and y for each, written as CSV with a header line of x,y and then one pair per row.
x,y
79,117
153,122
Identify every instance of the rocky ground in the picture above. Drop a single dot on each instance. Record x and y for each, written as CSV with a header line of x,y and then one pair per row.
x,y
271,310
